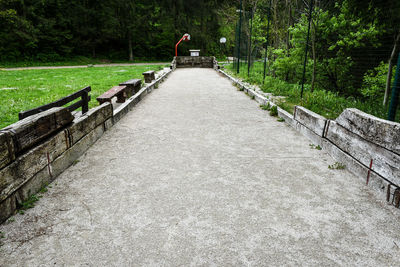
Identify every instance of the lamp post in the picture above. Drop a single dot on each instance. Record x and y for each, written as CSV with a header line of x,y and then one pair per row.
x,y
222,41
186,37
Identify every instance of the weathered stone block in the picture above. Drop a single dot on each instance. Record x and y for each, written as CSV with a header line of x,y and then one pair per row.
x,y
381,132
311,120
376,181
190,62
27,165
287,117
173,64
71,155
30,131
385,162
7,208
48,173
123,109
257,97
316,139
93,118
7,154
108,124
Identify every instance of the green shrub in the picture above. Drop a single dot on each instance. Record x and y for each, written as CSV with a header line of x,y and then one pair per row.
x,y
374,81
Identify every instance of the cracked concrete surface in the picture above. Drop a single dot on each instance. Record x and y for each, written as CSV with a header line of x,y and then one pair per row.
x,y
197,174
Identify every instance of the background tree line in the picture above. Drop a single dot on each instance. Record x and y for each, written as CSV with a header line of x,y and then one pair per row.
x,y
51,30
353,45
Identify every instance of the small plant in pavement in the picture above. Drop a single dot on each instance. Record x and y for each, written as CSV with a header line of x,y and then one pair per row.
x,y
30,202
274,111
317,147
337,166
265,107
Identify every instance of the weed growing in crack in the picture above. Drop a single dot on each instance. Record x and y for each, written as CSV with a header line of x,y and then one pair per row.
x,y
281,119
44,189
317,147
337,166
273,111
30,202
266,107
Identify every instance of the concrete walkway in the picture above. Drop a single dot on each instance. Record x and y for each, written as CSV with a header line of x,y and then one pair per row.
x,y
197,174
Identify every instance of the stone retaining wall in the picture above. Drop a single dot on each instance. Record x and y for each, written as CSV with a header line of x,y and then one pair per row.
x,y
366,145
194,62
34,151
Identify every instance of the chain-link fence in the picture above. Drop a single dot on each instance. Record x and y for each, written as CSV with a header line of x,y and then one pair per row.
x,y
322,53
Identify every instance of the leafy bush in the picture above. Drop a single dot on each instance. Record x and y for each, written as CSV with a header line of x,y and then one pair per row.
x,y
374,81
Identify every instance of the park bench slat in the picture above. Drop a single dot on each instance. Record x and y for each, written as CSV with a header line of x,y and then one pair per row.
x,y
118,91
133,82
148,72
133,86
78,104
61,102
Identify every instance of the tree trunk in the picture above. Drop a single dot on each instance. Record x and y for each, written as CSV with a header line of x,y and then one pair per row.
x,y
275,23
390,71
130,47
314,34
288,25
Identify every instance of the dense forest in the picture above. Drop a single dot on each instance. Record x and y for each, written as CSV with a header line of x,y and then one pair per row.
x,y
52,30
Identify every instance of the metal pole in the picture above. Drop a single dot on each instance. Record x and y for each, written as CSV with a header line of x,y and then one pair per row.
x,y
240,29
308,39
249,51
235,47
394,101
267,44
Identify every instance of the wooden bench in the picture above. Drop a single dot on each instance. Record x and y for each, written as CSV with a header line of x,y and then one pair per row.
x,y
84,103
118,91
149,76
132,86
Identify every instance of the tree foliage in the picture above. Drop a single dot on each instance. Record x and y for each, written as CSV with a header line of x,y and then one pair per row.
x,y
50,30
349,40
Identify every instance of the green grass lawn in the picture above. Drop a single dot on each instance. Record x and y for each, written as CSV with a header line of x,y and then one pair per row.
x,y
26,89
76,61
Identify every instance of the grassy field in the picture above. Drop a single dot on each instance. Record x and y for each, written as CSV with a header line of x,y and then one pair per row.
x,y
325,103
26,89
76,61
